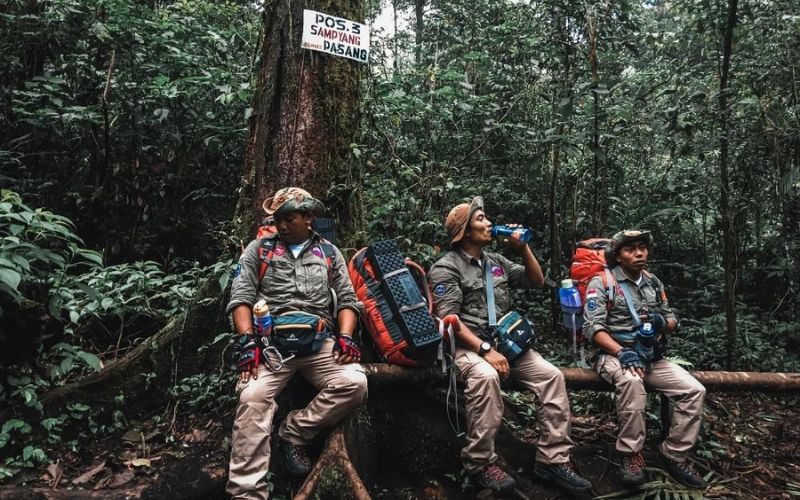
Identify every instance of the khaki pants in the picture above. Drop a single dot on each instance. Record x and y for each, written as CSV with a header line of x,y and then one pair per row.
x,y
341,389
485,407
676,383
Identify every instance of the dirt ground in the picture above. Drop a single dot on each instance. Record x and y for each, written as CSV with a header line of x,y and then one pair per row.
x,y
749,448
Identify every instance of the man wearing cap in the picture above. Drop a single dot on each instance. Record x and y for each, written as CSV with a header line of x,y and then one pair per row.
x,y
629,328
298,278
459,287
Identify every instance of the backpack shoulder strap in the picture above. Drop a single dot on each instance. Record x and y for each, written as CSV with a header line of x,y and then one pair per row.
x,y
610,284
657,286
266,249
329,251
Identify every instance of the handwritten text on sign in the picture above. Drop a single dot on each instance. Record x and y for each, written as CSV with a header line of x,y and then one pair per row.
x,y
335,35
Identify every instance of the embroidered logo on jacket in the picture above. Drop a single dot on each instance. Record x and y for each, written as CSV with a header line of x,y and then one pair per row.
x,y
498,271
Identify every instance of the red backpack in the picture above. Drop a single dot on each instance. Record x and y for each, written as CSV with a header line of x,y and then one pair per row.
x,y
588,261
397,307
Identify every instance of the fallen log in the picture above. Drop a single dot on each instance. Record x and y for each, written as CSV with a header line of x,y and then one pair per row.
x,y
381,374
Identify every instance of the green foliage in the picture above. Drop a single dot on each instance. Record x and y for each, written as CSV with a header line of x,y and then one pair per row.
x,y
128,118
37,248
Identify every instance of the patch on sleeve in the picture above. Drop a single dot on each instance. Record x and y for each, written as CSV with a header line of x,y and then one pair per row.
x,y
591,293
237,270
591,304
439,290
498,271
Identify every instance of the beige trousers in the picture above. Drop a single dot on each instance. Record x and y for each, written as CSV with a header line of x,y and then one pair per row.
x,y
485,407
341,389
666,377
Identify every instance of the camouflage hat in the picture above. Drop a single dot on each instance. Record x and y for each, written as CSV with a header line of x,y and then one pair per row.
x,y
622,238
292,199
458,219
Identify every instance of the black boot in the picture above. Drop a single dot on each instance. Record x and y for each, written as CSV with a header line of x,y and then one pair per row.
x,y
632,470
563,475
494,478
296,457
684,474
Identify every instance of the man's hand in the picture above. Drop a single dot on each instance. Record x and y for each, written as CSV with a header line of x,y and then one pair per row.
x,y
498,362
631,362
345,350
246,356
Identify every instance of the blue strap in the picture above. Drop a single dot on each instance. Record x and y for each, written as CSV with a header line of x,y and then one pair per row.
x,y
489,284
626,290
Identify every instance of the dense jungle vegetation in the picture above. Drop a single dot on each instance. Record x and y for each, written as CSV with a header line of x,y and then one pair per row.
x,y
123,128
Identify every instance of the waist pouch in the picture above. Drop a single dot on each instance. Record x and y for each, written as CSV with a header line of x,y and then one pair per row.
x,y
514,335
298,333
656,352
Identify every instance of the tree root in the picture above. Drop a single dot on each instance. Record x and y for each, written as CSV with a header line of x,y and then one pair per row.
x,y
335,456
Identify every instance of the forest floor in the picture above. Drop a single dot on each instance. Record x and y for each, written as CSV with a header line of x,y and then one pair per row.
x,y
750,448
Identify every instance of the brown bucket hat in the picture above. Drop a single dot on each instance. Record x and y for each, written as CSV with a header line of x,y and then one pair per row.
x,y
292,199
458,219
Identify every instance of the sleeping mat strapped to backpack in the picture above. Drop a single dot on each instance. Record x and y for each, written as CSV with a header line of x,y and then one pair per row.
x,y
396,314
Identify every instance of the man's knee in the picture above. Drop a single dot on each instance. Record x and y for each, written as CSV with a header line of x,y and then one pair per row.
x,y
353,384
631,394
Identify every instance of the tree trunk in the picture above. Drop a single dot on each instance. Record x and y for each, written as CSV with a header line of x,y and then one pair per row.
x,y
599,173
305,116
419,26
555,155
729,257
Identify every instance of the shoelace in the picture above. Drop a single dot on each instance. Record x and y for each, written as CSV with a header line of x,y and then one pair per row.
x,y
685,468
567,467
636,462
494,473
299,454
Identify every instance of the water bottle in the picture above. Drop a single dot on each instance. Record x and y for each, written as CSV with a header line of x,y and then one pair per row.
x,y
571,306
262,319
645,341
506,232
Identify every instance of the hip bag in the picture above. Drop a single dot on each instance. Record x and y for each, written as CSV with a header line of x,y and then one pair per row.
x,y
298,333
514,334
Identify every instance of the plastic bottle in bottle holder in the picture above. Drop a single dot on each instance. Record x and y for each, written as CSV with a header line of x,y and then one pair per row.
x,y
571,306
262,319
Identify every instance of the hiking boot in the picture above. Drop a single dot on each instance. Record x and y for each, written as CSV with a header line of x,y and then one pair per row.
x,y
632,469
297,459
494,478
563,475
684,474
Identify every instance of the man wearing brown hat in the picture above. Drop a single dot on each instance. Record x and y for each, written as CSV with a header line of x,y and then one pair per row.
x,y
458,281
630,331
297,273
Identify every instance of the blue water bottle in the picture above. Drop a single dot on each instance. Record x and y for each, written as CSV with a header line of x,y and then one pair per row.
x,y
645,341
506,232
262,319
571,305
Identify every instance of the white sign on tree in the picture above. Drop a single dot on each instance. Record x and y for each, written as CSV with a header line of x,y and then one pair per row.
x,y
334,35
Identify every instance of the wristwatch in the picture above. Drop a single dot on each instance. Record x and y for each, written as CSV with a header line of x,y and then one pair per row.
x,y
484,348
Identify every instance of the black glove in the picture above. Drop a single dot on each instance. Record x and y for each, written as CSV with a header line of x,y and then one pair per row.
x,y
346,346
629,358
657,320
246,353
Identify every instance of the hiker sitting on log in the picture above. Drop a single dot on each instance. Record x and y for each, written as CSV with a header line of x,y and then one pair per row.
x,y
630,329
294,272
489,350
